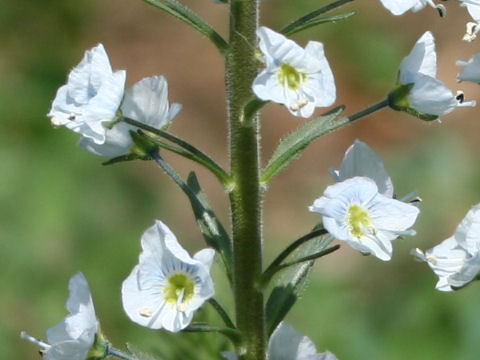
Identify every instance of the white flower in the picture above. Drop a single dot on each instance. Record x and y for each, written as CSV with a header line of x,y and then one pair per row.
x,y
419,92
399,7
354,211
300,79
473,7
361,160
471,71
287,344
167,286
456,261
91,97
147,102
74,337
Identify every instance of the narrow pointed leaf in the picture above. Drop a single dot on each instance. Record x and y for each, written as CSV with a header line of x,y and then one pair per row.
x,y
291,28
186,15
292,146
316,22
211,228
291,282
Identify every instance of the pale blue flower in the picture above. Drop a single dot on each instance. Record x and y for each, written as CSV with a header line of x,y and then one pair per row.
x,y
300,79
91,97
419,92
167,286
147,102
361,160
355,212
456,261
287,344
74,337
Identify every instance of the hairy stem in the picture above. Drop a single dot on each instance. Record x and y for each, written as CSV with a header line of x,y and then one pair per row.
x,y
246,197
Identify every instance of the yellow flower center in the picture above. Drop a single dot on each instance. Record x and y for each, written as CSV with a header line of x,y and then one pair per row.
x,y
290,76
357,219
180,290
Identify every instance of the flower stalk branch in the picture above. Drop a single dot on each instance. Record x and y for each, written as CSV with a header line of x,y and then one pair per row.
x,y
196,154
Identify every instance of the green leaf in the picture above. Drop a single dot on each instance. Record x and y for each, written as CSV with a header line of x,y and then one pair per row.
x,y
316,22
211,228
291,282
186,15
300,22
292,146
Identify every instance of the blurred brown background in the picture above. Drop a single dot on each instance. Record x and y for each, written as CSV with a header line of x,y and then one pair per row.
x,y
61,211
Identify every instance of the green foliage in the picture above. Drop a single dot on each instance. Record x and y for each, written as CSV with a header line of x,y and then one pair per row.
x,y
292,146
291,281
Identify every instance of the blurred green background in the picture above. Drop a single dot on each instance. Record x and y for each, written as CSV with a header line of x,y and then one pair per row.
x,y
61,211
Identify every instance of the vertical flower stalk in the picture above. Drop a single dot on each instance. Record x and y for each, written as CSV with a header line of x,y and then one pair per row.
x,y
246,196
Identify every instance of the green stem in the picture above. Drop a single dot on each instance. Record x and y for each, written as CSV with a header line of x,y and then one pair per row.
x,y
362,113
246,197
120,354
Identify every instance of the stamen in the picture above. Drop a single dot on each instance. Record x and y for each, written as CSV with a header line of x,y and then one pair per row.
x,y
146,313
418,254
298,105
36,341
55,121
471,32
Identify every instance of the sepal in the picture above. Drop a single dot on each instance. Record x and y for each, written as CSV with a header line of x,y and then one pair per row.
x,y
398,100
99,349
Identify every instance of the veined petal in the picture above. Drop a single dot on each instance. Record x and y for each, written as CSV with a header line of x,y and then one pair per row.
x,y
147,101
117,142
456,261
92,96
431,96
167,286
471,70
300,79
355,212
362,160
473,7
78,333
422,59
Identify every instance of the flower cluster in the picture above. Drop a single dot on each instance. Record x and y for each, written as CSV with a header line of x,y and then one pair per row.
x,y
94,100
167,286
